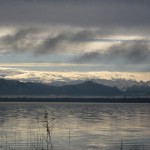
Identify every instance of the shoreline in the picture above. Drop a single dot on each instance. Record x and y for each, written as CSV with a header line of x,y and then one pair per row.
x,y
77,99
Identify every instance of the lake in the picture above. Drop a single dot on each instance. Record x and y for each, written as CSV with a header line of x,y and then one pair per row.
x,y
74,126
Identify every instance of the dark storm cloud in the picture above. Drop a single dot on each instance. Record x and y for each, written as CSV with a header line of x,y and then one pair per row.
x,y
95,13
52,44
19,35
18,41
26,40
129,52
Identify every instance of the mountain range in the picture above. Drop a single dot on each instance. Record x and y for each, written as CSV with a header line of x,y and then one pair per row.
x,y
86,88
111,79
121,84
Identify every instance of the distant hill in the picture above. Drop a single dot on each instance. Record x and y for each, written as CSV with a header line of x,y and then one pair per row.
x,y
121,84
87,88
12,87
137,91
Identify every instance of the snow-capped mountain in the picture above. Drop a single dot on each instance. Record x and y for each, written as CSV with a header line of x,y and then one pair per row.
x,y
87,88
111,79
122,84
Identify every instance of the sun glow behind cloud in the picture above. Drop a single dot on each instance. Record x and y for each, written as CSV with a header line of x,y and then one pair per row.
x,y
48,76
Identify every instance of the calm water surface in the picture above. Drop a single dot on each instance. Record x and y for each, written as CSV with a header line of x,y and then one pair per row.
x,y
75,126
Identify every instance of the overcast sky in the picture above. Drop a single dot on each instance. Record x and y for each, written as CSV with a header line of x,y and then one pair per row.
x,y
109,35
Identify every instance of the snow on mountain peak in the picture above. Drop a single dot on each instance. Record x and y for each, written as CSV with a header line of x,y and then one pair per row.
x,y
122,80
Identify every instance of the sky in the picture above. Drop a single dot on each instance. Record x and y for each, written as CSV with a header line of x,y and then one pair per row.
x,y
76,36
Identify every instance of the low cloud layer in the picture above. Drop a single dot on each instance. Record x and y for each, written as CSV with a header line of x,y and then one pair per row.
x,y
48,77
